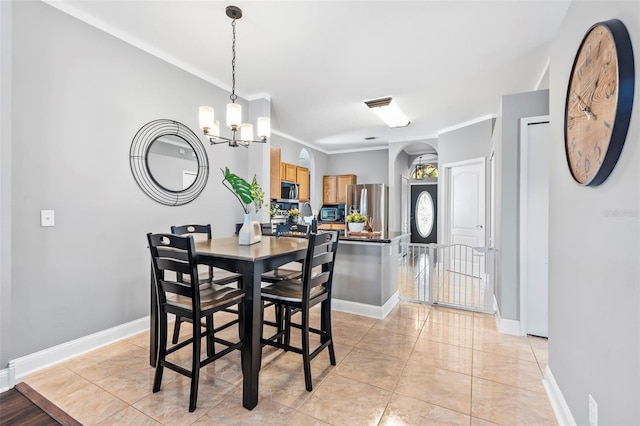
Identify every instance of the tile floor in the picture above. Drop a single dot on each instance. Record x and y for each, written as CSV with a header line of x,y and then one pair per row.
x,y
421,365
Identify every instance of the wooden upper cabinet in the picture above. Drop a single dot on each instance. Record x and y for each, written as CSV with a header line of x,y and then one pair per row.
x,y
342,182
274,191
290,172
302,178
329,194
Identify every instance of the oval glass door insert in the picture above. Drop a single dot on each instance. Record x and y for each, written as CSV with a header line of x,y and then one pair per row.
x,y
424,214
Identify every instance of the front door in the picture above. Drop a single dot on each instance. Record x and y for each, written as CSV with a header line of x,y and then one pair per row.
x,y
424,207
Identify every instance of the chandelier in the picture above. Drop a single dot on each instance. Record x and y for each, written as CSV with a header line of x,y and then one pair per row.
x,y
208,123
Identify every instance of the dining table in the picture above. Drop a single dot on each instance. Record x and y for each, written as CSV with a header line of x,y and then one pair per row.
x,y
251,261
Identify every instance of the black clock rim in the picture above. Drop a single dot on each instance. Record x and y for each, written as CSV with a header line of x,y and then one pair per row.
x,y
624,104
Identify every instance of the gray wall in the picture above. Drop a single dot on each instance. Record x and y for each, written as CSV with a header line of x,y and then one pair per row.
x,y
5,183
466,143
368,166
594,277
507,153
89,93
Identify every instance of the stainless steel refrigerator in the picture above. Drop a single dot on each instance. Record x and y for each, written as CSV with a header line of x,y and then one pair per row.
x,y
370,199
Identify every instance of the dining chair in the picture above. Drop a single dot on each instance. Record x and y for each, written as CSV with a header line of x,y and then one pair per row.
x,y
173,255
302,294
207,275
293,269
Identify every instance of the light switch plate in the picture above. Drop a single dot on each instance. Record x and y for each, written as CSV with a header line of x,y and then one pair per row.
x,y
47,218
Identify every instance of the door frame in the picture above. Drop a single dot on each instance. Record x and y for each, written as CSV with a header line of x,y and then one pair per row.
x,y
446,197
522,207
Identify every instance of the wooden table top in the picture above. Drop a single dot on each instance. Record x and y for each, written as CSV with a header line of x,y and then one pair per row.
x,y
269,246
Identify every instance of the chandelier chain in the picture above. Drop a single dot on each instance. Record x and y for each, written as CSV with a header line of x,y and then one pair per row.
x,y
233,64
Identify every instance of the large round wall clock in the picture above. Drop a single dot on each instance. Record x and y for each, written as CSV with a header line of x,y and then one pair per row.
x,y
599,102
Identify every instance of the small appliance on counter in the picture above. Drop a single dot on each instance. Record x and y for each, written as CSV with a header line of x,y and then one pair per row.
x,y
332,213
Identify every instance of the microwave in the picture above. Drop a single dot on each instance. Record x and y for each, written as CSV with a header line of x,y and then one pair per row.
x,y
331,214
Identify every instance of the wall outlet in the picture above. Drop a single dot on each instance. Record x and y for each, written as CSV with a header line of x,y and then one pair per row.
x,y
593,411
47,218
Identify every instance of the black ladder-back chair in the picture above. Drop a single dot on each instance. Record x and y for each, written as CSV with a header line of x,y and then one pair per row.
x,y
176,254
209,277
301,295
287,272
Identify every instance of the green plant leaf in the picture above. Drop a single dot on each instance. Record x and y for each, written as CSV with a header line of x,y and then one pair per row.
x,y
240,186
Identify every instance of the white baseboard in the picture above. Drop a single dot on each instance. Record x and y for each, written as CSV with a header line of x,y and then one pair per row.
x,y
506,326
558,403
7,376
378,312
29,364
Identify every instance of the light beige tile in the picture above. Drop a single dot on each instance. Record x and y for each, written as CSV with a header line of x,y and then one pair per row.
x,y
374,368
445,333
231,412
481,422
416,311
504,404
107,361
348,334
338,317
453,317
437,386
339,400
399,345
508,370
442,355
140,339
56,382
130,384
90,405
403,410
503,344
170,405
484,322
129,416
302,419
540,347
400,325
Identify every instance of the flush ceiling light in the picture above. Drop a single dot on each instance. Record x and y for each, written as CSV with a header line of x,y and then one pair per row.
x,y
389,112
211,127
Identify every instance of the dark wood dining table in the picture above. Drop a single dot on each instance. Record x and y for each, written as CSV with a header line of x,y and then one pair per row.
x,y
251,261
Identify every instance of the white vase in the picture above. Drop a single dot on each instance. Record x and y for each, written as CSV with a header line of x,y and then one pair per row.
x,y
250,233
355,227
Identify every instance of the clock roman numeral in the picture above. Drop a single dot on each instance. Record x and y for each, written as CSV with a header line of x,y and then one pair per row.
x,y
607,125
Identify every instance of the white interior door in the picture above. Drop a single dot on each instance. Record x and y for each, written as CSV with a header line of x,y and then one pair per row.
x,y
466,202
465,213
534,224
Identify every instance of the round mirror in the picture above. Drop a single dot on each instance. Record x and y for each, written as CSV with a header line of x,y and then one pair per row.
x,y
169,162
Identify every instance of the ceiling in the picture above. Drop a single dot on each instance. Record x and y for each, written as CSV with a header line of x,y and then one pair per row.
x,y
444,62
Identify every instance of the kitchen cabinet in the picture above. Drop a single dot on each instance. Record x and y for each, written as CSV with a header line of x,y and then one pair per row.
x,y
302,179
274,187
289,172
334,188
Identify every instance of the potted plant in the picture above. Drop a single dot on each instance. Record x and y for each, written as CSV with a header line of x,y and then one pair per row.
x,y
248,194
356,221
294,214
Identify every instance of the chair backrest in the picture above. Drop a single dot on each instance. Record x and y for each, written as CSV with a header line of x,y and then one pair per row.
x,y
195,230
293,230
174,253
198,232
321,255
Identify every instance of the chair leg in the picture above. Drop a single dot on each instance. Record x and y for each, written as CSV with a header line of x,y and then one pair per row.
x,y
162,351
279,311
195,364
211,351
176,330
325,319
287,326
306,360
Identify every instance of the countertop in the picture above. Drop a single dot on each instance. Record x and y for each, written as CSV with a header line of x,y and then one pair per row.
x,y
384,239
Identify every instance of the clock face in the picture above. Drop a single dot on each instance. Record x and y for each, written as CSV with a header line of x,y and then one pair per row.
x,y
595,117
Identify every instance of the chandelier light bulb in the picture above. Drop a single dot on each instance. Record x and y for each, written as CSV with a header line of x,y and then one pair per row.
x,y
234,115
206,117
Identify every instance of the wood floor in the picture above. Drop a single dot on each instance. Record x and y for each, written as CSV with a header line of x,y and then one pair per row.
x,y
22,405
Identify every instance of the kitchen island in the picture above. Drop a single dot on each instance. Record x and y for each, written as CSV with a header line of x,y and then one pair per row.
x,y
365,276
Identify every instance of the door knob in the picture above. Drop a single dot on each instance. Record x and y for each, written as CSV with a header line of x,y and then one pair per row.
x,y
479,226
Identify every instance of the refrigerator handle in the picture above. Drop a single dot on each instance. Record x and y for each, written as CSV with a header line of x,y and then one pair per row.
x,y
363,201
